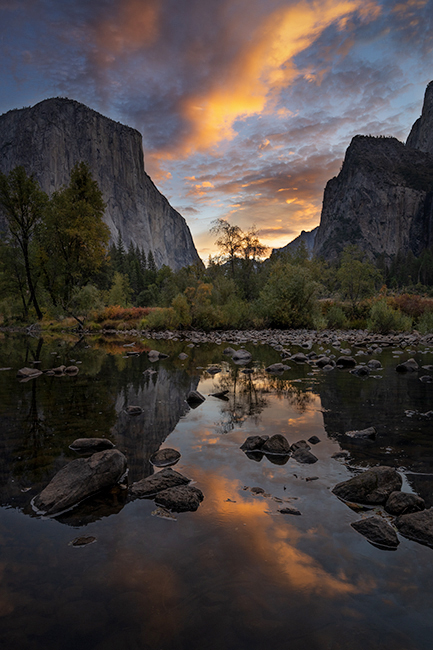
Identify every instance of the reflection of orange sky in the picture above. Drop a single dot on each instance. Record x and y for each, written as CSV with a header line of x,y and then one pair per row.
x,y
272,541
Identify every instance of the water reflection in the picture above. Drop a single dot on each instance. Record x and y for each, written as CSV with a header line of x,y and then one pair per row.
x,y
237,573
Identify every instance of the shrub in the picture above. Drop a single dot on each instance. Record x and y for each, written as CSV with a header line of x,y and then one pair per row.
x,y
383,318
160,318
289,297
182,309
425,323
336,318
411,304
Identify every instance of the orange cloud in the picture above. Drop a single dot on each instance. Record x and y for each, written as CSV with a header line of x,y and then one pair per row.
x,y
135,26
264,66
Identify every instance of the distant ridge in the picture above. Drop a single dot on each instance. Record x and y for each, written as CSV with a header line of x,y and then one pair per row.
x,y
306,237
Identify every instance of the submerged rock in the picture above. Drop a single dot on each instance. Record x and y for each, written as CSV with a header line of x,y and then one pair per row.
x,y
88,444
362,434
182,498
222,394
165,457
301,444
80,479
370,487
277,367
402,503
241,356
417,526
346,362
28,373
166,478
289,511
377,531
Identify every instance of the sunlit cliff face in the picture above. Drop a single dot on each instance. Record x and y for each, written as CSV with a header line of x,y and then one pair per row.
x,y
246,107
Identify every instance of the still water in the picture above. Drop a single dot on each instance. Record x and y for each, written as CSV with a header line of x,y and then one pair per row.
x,y
236,574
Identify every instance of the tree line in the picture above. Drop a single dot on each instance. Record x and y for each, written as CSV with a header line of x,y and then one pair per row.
x,y
56,261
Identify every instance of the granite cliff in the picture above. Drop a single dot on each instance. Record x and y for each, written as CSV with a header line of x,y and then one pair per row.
x,y
307,237
382,199
50,137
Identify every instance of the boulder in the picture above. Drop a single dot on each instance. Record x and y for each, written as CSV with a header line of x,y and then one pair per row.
x,y
153,355
166,478
304,456
60,370
377,531
80,479
71,370
277,367
301,444
91,444
183,498
346,362
133,410
289,511
165,457
361,371
299,357
417,526
407,366
182,356
222,394
362,434
426,379
28,373
194,399
314,440
374,364
213,370
403,503
241,356
254,443
277,444
371,487
323,361
229,351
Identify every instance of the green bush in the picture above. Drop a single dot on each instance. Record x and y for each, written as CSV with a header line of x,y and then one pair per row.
x,y
384,318
336,318
182,309
164,318
425,322
289,297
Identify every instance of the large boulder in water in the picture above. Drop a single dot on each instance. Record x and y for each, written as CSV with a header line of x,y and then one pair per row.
x,y
377,531
166,478
183,498
372,487
417,526
80,479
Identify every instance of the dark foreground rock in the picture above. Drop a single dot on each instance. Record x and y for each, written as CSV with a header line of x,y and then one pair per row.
x,y
346,362
277,444
371,487
304,456
183,498
194,399
408,366
165,457
80,479
289,511
254,443
417,526
166,478
403,503
91,444
377,531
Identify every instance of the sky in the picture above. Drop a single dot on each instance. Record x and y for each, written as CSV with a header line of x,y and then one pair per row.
x,y
246,107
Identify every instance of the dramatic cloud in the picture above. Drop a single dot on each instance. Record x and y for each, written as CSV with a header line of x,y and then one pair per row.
x,y
246,106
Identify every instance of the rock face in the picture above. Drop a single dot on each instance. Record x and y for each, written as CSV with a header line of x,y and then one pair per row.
x,y
382,199
307,238
49,138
